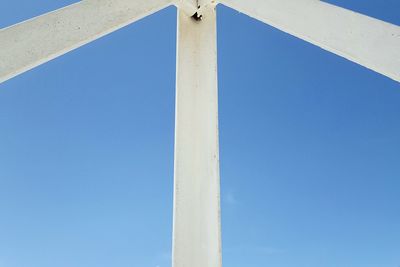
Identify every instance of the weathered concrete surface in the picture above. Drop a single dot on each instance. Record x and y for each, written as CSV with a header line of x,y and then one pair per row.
x,y
197,233
36,41
367,41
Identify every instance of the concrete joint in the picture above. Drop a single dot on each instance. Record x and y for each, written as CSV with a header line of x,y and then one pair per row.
x,y
203,4
195,8
190,7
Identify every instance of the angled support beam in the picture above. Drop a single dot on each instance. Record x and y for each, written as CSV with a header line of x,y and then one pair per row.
x,y
196,231
36,41
367,41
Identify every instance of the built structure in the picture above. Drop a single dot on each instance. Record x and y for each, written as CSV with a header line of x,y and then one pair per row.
x,y
197,232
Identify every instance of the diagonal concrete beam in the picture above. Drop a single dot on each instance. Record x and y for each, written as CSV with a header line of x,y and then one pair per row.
x,y
38,40
369,42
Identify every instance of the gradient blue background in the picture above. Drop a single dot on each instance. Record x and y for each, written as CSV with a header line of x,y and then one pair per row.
x,y
310,150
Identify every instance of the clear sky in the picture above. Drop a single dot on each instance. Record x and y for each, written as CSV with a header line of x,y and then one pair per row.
x,y
310,150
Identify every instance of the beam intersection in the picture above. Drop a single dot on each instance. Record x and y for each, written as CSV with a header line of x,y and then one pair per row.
x,y
197,235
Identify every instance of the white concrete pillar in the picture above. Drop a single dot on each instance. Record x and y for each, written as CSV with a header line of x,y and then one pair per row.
x,y
197,231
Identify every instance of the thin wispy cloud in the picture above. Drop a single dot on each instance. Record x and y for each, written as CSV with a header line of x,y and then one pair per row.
x,y
230,198
267,250
163,259
167,256
255,249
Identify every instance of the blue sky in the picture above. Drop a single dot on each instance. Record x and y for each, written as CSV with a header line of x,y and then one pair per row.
x,y
310,149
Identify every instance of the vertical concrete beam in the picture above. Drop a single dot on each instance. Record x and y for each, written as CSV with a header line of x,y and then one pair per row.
x,y
196,228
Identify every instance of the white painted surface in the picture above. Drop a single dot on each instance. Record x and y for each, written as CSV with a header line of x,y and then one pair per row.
x,y
189,6
36,41
203,4
367,41
197,234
